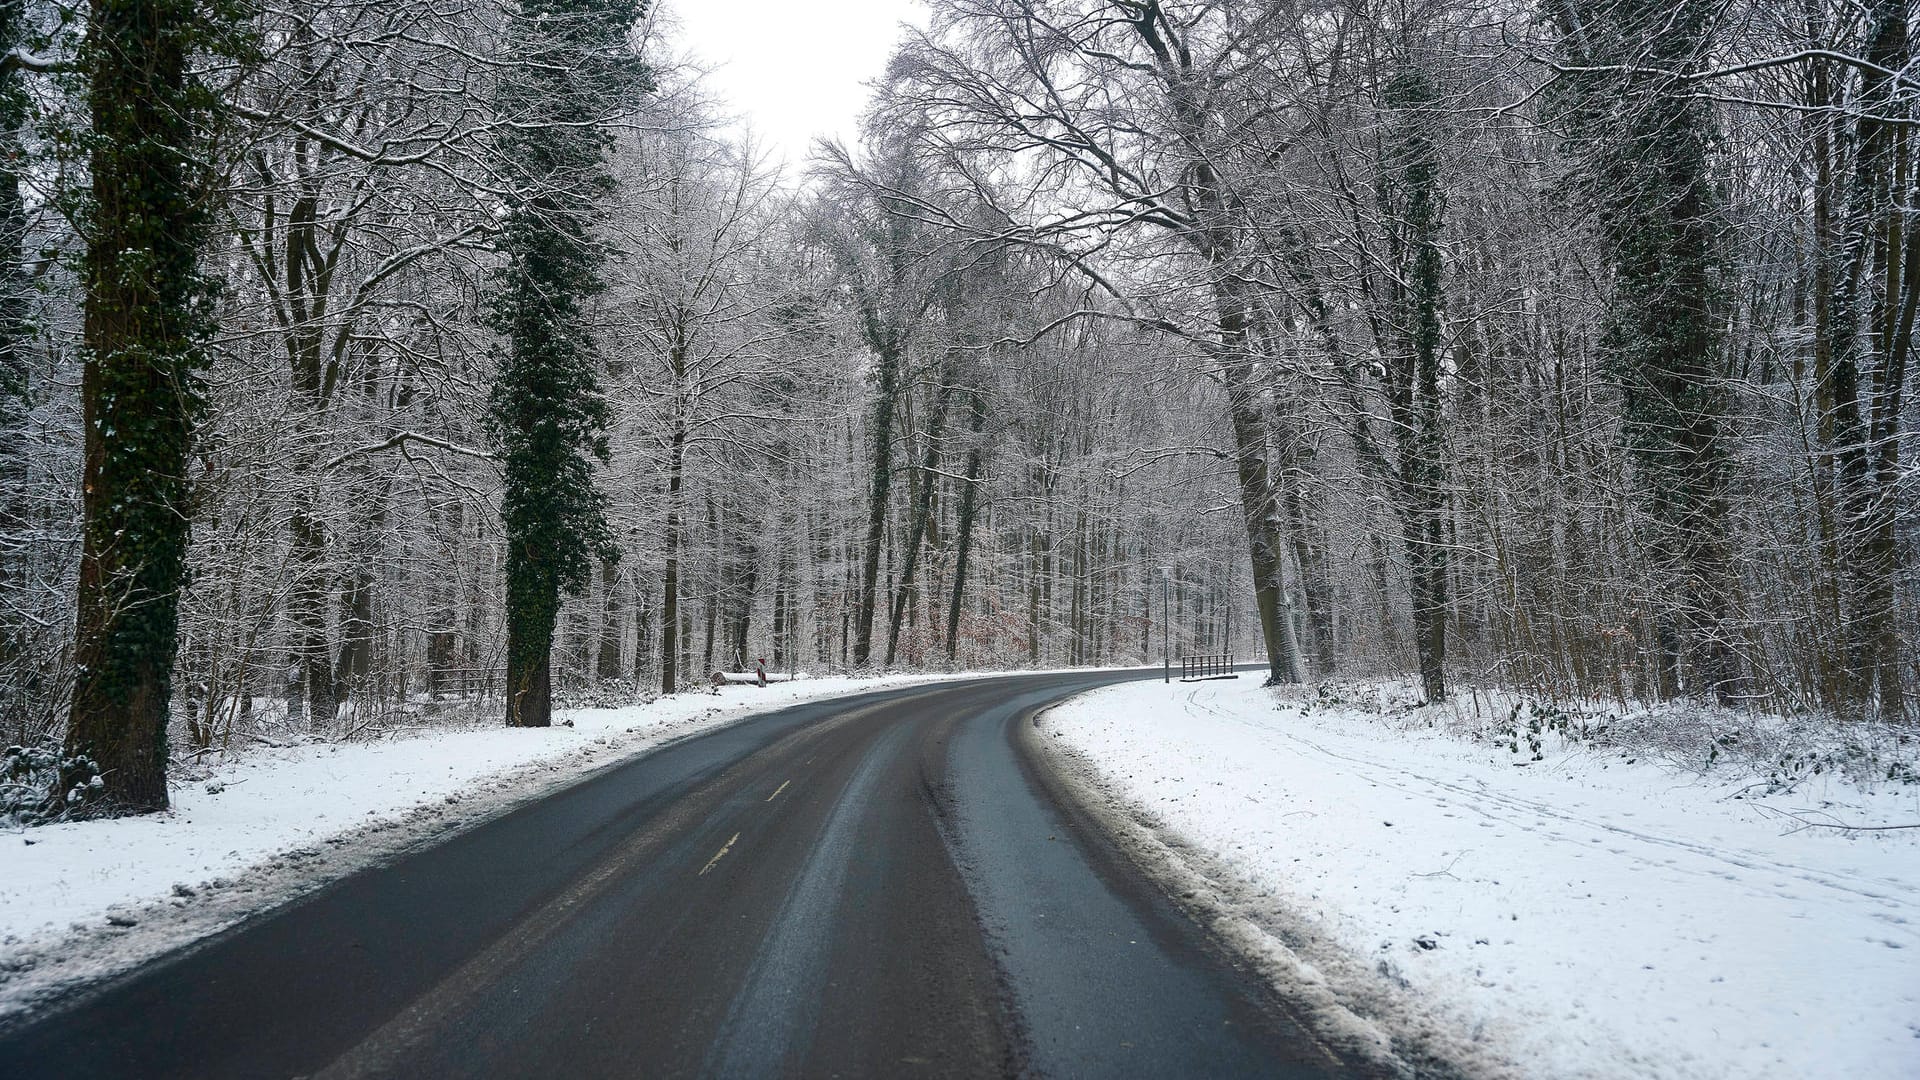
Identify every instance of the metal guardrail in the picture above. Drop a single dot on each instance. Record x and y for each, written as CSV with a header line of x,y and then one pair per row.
x,y
1209,666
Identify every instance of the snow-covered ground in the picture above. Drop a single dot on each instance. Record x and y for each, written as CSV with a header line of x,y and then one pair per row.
x,y
1574,916
82,899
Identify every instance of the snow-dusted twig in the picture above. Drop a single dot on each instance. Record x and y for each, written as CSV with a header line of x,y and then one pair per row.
x,y
406,437
1447,870
1802,821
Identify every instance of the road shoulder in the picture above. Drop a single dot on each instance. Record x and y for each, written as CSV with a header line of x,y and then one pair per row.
x,y
1358,1011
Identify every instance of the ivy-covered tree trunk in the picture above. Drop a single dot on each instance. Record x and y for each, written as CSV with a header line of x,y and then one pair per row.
x,y
1646,136
16,331
1413,370
547,413
140,394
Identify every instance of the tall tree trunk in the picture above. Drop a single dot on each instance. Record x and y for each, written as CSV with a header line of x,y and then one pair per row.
x,y
1033,594
716,587
879,481
1259,513
1647,135
686,640
642,637
443,619
607,658
745,586
1297,484
976,421
670,639
780,613
546,409
16,339
310,663
1414,374
1862,392
922,508
139,395
357,632
1316,581
1216,239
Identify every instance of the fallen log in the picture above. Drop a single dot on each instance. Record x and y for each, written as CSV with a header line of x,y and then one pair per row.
x,y
753,678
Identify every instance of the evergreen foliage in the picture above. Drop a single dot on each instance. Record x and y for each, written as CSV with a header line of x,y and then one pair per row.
x,y
1646,138
1415,210
547,412
147,319
16,331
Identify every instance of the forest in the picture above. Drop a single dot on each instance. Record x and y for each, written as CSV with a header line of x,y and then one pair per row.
x,y
363,363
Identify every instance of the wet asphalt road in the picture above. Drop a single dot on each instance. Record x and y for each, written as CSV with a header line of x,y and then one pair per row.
x,y
882,885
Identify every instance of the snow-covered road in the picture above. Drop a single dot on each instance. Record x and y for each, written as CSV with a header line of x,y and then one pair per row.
x,y
1576,916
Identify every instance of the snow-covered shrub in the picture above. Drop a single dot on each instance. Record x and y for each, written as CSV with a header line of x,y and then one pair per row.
x,y
1779,751
28,776
600,694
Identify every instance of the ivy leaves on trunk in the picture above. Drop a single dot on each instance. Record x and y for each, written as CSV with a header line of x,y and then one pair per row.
x,y
1645,137
547,412
147,320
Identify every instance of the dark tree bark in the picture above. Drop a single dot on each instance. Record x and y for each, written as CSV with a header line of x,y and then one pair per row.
x,y
546,410
969,499
1646,136
880,479
922,510
642,637
16,336
1413,369
716,587
1861,386
1316,582
443,626
1216,240
780,628
1257,501
742,588
310,666
140,395
606,665
671,639
368,514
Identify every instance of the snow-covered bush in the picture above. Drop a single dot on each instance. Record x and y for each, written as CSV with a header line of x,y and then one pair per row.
x,y
29,775
1778,751
600,694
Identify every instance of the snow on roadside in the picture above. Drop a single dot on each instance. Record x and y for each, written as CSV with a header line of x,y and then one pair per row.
x,y
1577,917
80,900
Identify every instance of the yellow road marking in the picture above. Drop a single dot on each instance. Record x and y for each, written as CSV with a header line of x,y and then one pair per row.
x,y
724,848
778,790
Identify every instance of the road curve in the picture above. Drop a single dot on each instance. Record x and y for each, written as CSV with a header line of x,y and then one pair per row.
x,y
878,885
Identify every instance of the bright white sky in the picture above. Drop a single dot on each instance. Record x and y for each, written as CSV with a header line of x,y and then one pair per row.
x,y
793,70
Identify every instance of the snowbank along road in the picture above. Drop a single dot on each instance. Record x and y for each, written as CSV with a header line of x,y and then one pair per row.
x,y
1584,917
881,885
